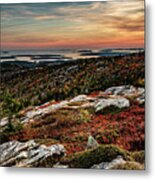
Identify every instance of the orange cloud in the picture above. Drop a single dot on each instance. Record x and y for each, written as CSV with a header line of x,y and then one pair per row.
x,y
97,24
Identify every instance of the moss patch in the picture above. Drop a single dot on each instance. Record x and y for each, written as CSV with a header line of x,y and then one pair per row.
x,y
139,156
103,153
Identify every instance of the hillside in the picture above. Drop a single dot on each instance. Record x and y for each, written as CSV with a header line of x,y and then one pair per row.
x,y
37,86
90,107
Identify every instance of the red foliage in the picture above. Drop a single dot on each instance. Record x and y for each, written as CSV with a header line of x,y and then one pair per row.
x,y
94,94
129,126
125,129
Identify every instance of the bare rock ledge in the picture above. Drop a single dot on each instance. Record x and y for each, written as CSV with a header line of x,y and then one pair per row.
x,y
29,154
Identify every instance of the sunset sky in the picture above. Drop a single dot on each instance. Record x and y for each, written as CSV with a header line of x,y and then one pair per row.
x,y
106,24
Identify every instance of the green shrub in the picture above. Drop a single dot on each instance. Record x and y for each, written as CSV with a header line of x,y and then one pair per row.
x,y
10,130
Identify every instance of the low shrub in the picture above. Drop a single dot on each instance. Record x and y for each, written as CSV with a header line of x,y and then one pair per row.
x,y
10,130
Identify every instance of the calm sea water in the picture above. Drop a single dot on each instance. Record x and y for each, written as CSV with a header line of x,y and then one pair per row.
x,y
71,53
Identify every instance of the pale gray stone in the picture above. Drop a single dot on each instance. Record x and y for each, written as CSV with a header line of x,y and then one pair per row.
x,y
91,143
109,165
118,102
29,154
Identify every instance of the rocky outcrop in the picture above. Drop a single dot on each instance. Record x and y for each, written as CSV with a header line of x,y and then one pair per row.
x,y
42,110
98,103
117,97
126,90
29,154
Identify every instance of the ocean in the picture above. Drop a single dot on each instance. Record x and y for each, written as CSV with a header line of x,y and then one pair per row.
x,y
62,54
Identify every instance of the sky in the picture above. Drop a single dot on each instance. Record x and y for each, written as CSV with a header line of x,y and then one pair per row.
x,y
103,24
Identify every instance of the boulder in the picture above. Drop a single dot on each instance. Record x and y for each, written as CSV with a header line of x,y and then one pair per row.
x,y
92,143
118,102
109,165
29,154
